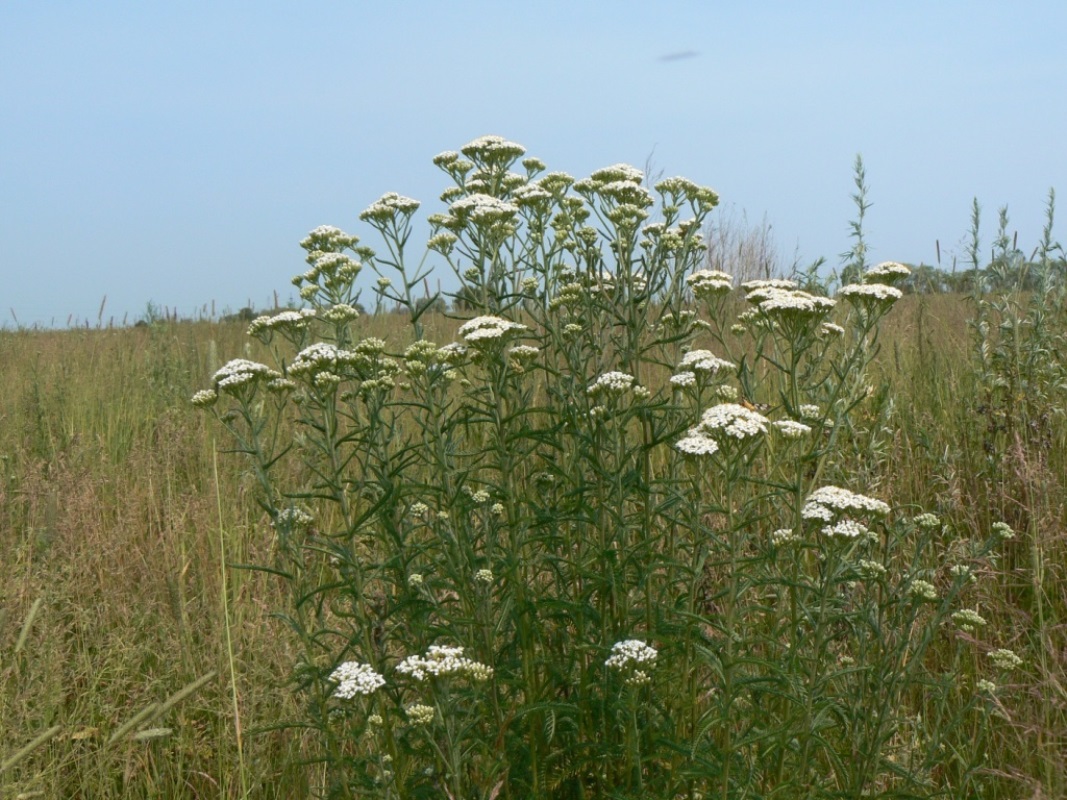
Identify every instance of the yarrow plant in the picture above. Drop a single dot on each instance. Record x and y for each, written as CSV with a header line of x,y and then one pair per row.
x,y
474,520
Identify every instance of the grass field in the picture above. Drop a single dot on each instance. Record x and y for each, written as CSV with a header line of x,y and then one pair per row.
x,y
118,518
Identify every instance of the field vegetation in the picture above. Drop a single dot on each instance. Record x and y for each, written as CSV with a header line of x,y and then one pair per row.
x,y
607,525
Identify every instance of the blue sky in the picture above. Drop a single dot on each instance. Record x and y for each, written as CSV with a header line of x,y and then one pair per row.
x,y
177,152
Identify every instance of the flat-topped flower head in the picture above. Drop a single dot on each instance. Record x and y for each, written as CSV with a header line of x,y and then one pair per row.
x,y
775,301
633,659
354,678
829,502
697,444
489,328
733,421
388,206
707,282
888,272
870,294
968,619
704,361
285,320
627,193
768,283
239,373
442,661
328,239
1005,659
205,398
612,384
483,209
493,150
680,189
320,357
617,172
791,429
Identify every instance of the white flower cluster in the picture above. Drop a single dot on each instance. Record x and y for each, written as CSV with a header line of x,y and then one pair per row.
x,y
926,520
871,569
886,272
488,328
704,361
784,536
483,209
388,206
483,576
828,502
922,590
1003,530
354,678
293,518
791,429
617,172
697,444
613,384
320,357
1005,659
732,419
968,619
205,398
442,661
768,283
626,193
836,507
241,372
327,238
492,149
286,320
870,293
679,188
420,713
775,300
633,658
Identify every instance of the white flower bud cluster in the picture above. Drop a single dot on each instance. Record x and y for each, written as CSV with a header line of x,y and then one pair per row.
x,y
490,150
1003,530
707,282
697,444
829,501
293,518
488,328
1005,659
320,357
836,507
442,661
870,293
633,658
871,569
285,320
241,372
612,384
922,590
354,678
482,209
704,361
968,619
784,536
420,713
732,420
772,300
926,520
886,272
791,429
327,238
387,207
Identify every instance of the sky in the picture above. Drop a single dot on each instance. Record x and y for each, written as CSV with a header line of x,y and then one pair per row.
x,y
175,153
